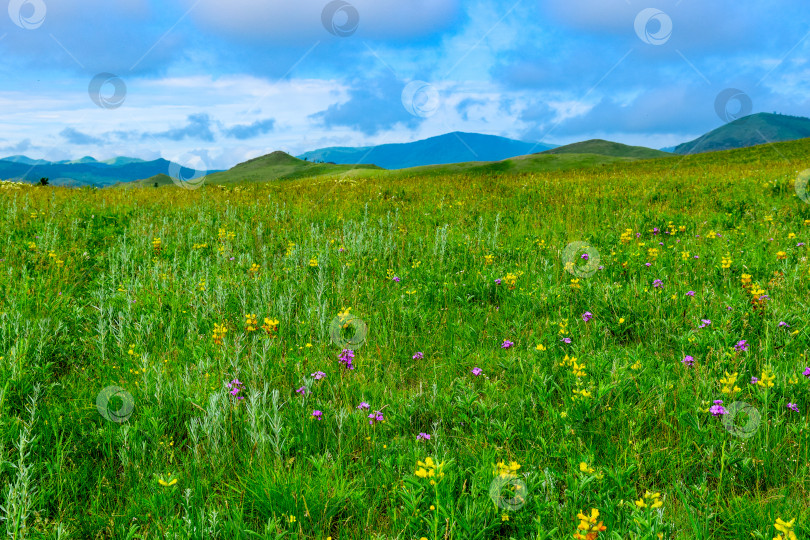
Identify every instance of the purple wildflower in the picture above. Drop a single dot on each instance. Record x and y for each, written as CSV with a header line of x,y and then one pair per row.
x,y
706,322
423,437
376,416
741,346
566,340
718,409
784,324
396,278
346,358
318,375
793,407
807,373
477,371
498,281
363,406
587,316
754,380
317,415
236,386
584,257
690,293
418,356
688,361
648,265
302,391
658,284
506,344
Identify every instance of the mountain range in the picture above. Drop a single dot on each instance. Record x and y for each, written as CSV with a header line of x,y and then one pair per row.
x,y
452,152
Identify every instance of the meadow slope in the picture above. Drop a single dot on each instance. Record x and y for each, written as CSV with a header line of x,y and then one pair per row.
x,y
530,353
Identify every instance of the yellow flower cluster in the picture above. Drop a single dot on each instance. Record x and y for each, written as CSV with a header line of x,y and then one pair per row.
x,y
502,469
627,236
270,326
651,499
429,469
251,322
766,380
729,383
726,261
219,332
588,528
785,529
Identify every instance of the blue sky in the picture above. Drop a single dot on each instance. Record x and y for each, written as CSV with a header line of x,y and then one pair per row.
x,y
223,82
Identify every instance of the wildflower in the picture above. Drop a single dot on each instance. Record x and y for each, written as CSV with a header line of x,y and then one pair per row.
x,y
793,407
489,258
251,322
807,372
363,406
566,340
302,391
658,284
754,380
688,361
541,347
167,483
741,346
506,344
729,383
781,256
587,316
786,529
653,498
477,371
690,293
423,437
235,387
429,469
726,262
317,415
346,357
589,526
705,323
717,409
504,470
583,467
575,284
318,375
584,257
767,379
784,324
313,262
376,416
418,356
395,278
498,281
270,325
621,320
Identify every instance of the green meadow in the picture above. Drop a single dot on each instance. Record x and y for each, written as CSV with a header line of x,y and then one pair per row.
x,y
594,348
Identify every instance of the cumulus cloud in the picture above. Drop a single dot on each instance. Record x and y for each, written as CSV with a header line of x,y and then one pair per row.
x,y
373,106
76,137
198,126
249,131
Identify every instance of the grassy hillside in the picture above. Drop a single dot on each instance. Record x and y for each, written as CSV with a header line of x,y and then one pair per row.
x,y
748,131
608,148
524,347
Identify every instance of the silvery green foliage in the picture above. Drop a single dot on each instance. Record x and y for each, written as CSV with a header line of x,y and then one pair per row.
x,y
19,496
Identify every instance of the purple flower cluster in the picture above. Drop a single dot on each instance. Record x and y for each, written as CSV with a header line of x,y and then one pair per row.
x,y
688,361
363,406
346,358
418,356
302,391
658,284
690,293
318,375
741,346
705,323
793,407
376,416
395,278
807,373
423,436
235,386
587,316
317,415
784,324
477,371
506,344
717,409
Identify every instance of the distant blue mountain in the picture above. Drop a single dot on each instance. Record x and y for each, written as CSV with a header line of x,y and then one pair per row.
x,y
86,171
454,147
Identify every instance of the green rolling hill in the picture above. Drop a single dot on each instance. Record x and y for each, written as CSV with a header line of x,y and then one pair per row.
x,y
608,148
761,128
